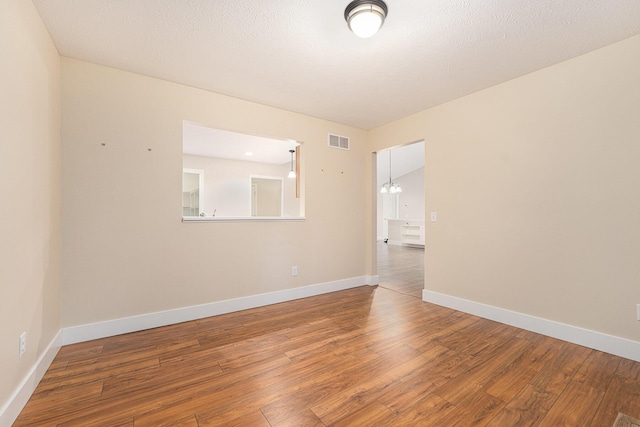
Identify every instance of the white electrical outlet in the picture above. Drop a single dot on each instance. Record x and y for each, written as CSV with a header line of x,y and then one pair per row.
x,y
23,344
294,270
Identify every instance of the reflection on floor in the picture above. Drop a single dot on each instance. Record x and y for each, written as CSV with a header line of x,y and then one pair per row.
x,y
401,268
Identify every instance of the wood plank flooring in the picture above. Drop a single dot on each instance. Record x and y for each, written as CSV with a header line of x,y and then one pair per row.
x,y
401,268
368,356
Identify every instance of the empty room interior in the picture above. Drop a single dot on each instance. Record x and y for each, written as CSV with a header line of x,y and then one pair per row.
x,y
273,213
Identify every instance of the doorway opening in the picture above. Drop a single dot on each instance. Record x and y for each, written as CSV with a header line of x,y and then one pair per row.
x,y
400,218
266,196
192,192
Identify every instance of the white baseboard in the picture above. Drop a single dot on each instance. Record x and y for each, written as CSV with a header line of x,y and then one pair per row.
x,y
125,325
11,409
597,340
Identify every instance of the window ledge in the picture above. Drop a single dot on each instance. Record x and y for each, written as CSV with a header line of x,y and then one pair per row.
x,y
242,219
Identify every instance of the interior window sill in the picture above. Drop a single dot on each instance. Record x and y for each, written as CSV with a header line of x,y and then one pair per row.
x,y
242,219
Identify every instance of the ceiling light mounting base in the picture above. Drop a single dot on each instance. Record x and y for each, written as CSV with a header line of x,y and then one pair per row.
x,y
365,17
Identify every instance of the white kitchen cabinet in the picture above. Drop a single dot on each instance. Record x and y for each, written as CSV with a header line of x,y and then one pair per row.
x,y
406,232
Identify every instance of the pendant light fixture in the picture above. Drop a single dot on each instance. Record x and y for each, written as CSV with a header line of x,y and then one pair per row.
x,y
365,17
390,187
292,173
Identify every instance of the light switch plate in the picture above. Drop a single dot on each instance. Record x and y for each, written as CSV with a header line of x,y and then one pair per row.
x,y
23,344
638,312
434,216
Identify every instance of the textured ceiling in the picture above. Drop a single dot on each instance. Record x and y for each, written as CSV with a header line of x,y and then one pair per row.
x,y
300,56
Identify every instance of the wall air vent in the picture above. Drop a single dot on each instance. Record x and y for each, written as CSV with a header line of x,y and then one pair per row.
x,y
337,141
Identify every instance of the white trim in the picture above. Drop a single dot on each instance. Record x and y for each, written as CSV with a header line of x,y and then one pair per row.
x,y
11,409
243,219
597,340
125,325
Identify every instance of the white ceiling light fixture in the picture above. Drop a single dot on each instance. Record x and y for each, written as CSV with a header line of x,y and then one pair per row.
x,y
365,17
390,187
292,173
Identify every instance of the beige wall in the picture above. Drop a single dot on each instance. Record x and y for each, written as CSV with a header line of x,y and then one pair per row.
x,y
536,185
29,190
125,250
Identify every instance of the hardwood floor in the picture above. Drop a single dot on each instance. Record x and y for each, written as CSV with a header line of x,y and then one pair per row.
x,y
401,268
368,356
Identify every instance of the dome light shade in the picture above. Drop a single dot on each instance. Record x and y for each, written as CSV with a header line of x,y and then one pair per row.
x,y
292,173
365,17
